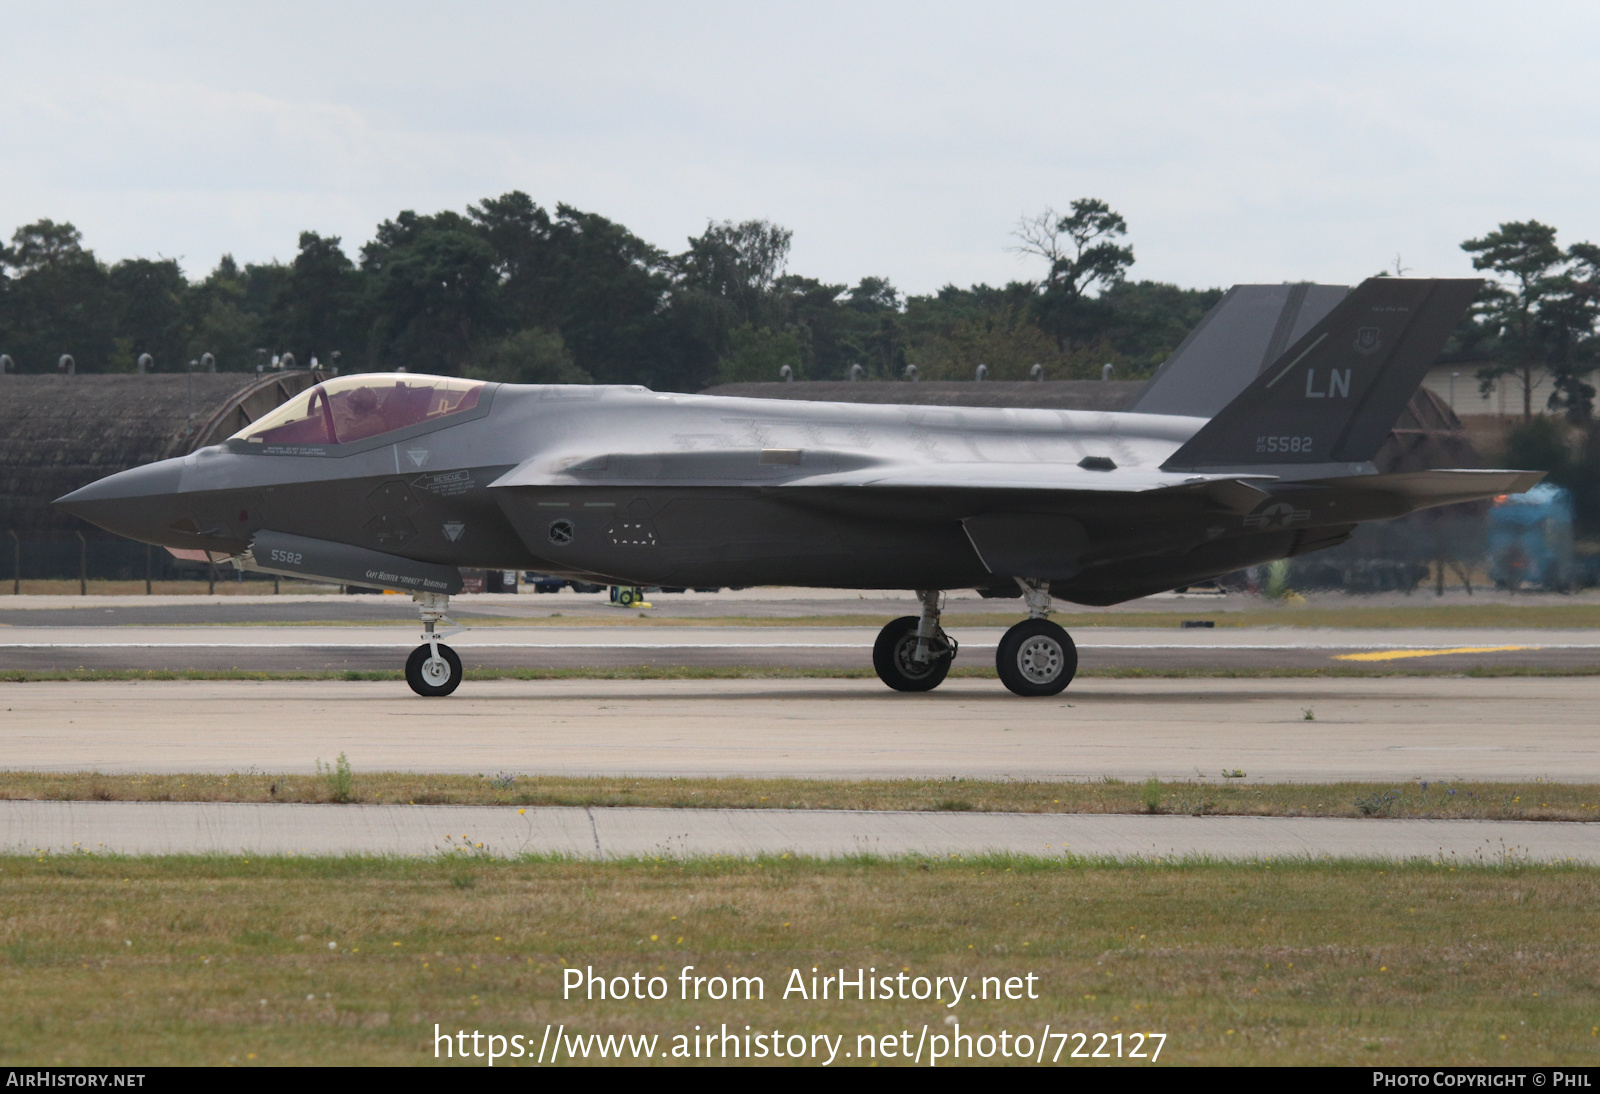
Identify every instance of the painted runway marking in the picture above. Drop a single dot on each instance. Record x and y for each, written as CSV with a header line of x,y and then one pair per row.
x,y
1395,655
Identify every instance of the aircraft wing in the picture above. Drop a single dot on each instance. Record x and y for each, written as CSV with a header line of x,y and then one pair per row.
x,y
850,471
1233,493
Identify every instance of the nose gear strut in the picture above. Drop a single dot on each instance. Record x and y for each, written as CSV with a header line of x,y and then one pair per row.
x,y
433,669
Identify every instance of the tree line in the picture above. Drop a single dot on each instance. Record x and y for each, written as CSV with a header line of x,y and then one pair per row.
x,y
1536,317
511,290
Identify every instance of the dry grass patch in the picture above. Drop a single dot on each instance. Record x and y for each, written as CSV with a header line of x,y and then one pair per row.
x,y
353,961
1219,795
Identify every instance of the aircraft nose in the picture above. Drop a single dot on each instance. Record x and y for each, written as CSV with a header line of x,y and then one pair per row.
x,y
121,503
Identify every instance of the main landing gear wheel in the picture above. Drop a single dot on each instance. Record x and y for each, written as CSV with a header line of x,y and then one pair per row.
x,y
894,657
433,676
1036,657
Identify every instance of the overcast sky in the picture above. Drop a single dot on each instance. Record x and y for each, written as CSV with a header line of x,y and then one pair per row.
x,y
1242,142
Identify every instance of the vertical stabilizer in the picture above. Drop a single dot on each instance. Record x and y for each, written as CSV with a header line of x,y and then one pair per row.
x,y
1242,334
1334,394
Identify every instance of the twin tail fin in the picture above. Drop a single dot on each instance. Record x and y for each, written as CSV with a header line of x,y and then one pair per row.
x,y
1334,395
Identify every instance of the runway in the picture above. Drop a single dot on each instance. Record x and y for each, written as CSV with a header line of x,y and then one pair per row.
x,y
750,628
1294,730
1302,730
296,648
151,828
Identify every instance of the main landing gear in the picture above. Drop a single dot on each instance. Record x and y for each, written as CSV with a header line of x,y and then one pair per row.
x,y
433,669
1036,657
913,653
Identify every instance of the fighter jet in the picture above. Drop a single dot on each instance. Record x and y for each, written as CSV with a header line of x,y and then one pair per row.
x,y
394,480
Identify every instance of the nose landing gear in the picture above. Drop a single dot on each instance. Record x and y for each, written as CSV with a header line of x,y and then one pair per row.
x,y
913,653
1036,657
433,669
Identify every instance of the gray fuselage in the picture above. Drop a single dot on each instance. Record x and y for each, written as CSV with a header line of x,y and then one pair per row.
x,y
624,485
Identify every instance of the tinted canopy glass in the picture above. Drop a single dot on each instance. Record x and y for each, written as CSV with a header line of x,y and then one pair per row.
x,y
354,408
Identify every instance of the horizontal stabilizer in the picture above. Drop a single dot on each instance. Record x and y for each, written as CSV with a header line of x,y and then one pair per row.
x,y
1427,489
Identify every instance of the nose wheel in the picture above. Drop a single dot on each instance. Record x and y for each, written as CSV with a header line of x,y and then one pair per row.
x,y
433,670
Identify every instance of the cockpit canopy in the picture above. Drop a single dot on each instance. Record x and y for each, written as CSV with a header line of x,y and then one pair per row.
x,y
354,408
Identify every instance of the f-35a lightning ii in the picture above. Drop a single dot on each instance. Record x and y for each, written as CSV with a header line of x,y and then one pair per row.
x,y
395,480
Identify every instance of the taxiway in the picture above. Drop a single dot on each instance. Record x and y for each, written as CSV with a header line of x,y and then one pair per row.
x,y
210,828
1308,730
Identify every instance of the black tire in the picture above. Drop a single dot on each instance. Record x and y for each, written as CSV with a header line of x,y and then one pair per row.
x,y
429,681
1036,657
892,658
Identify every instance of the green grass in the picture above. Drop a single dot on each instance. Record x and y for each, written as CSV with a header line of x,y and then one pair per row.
x,y
133,962
1209,795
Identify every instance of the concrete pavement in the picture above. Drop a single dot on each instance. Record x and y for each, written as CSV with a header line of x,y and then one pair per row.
x,y
1359,729
148,828
370,645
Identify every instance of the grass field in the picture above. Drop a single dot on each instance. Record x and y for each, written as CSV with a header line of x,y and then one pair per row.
x,y
353,961
1215,795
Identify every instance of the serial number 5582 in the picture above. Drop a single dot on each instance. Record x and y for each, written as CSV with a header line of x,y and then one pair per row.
x,y
1283,444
